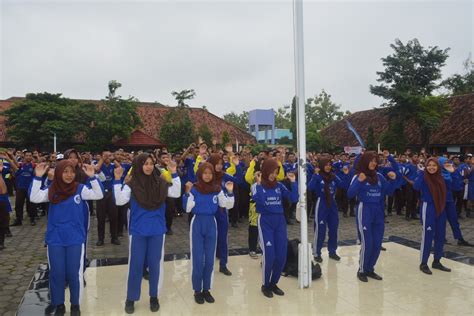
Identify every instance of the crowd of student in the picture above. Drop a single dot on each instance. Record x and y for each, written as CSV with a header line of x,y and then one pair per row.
x,y
141,192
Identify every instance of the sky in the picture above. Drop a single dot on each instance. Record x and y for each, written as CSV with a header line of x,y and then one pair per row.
x,y
236,55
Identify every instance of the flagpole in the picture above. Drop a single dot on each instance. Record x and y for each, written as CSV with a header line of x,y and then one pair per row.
x,y
304,249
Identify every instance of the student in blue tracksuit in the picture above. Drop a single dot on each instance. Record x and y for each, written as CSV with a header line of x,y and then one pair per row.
x,y
268,195
447,171
5,208
370,187
23,179
203,199
433,191
324,185
222,215
66,231
146,192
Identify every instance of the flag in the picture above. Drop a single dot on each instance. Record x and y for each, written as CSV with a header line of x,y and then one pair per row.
x,y
357,136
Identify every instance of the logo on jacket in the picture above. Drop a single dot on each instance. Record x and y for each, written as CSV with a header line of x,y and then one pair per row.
x,y
77,199
277,191
429,228
365,228
268,244
214,199
321,222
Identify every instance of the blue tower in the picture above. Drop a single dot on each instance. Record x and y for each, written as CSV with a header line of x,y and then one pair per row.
x,y
262,120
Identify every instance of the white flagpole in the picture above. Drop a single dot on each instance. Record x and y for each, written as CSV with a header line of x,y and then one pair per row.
x,y
304,249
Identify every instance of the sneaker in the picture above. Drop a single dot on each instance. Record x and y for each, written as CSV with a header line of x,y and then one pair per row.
x,y
382,248
75,310
129,307
60,310
234,225
225,271
17,223
374,275
99,243
154,304
334,256
169,232
362,276
276,290
51,309
198,297
437,265
318,259
425,269
267,291
253,255
208,297
116,242
32,222
462,242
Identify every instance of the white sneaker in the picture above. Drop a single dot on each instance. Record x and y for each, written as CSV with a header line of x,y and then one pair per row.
x,y
253,255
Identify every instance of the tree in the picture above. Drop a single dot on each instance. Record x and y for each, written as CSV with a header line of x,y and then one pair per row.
x,y
370,142
225,138
282,117
205,133
394,138
179,123
34,120
430,113
113,118
183,95
410,72
461,84
321,111
239,120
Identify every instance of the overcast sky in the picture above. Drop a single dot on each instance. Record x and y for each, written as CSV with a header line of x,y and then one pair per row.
x,y
237,55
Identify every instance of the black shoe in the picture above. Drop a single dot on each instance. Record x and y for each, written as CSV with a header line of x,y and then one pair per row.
x,y
2,246
462,242
8,233
75,310
362,276
374,275
208,297
60,310
276,290
414,217
351,214
50,309
225,271
146,274
16,223
129,307
234,225
318,259
290,222
407,218
32,222
120,234
169,232
383,248
437,265
116,242
345,214
154,304
198,297
425,269
267,291
334,256
99,243
389,214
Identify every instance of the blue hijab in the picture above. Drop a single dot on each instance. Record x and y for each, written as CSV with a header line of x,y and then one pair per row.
x,y
446,174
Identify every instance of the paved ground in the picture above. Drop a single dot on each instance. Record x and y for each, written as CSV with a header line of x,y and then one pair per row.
x,y
25,250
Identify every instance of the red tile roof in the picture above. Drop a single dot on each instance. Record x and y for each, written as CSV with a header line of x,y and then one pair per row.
x,y
152,115
457,128
139,139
